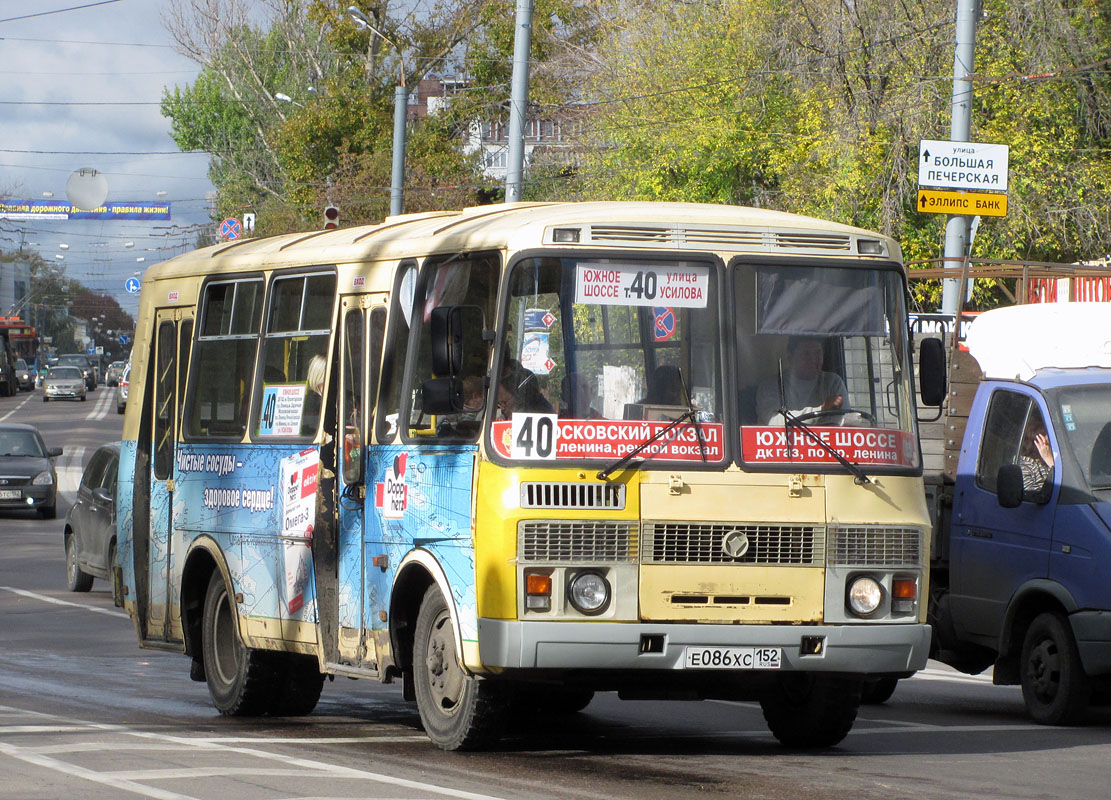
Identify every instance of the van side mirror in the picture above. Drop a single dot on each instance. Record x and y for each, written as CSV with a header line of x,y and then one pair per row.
x,y
931,371
1008,485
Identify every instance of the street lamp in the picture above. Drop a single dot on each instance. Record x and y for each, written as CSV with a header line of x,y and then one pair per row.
x,y
400,110
285,98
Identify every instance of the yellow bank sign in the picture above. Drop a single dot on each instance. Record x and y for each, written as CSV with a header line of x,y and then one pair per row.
x,y
937,201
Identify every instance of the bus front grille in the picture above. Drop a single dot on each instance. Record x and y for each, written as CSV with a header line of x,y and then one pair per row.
x,y
577,540
556,494
875,545
729,543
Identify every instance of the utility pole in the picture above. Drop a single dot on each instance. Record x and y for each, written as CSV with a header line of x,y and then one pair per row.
x,y
400,113
518,102
960,130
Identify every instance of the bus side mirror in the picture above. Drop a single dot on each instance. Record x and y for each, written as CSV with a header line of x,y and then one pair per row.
x,y
931,371
1008,485
442,396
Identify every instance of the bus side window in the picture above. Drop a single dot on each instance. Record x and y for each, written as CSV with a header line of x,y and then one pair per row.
x,y
467,282
231,313
295,346
354,358
393,360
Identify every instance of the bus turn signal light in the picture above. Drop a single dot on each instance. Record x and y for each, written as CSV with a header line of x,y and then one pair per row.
x,y
538,592
904,588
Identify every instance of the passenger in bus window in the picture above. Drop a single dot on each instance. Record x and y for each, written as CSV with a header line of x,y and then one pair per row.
x,y
314,378
807,388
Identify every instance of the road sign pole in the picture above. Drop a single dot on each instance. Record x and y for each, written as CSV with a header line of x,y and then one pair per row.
x,y
960,130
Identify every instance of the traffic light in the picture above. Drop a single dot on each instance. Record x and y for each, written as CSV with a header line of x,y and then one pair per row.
x,y
331,218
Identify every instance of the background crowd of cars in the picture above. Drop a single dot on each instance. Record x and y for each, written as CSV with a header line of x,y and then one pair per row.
x,y
29,477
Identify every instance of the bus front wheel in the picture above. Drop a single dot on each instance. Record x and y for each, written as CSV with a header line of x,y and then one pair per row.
x,y
806,710
458,711
240,678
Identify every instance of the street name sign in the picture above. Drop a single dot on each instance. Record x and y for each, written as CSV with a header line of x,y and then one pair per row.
x,y
936,201
963,165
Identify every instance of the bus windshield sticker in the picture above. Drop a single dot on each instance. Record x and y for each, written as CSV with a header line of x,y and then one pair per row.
x,y
536,437
677,285
534,353
768,444
282,407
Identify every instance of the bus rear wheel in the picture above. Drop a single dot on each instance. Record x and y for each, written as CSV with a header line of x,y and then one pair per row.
x,y
809,711
240,679
458,711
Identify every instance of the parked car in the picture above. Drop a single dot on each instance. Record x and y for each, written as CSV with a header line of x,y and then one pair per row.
x,y
121,390
89,536
64,382
112,375
28,479
82,362
25,375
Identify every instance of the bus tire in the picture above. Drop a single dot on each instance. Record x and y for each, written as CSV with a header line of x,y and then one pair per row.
x,y
298,683
809,711
458,711
76,579
240,678
1054,686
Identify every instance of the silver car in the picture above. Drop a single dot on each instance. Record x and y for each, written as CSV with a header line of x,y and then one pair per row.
x,y
64,382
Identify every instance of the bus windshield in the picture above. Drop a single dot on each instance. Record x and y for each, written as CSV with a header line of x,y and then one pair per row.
x,y
600,354
824,349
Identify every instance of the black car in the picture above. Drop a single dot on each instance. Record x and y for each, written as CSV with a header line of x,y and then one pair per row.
x,y
27,476
89,536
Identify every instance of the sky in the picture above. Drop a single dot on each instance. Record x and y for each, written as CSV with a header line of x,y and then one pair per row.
x,y
81,85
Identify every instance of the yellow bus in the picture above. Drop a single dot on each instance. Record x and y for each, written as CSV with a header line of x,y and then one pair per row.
x,y
518,454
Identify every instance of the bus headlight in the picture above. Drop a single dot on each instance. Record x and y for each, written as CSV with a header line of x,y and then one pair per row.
x,y
865,596
589,593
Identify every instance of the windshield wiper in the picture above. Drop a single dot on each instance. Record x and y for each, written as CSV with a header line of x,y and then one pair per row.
x,y
693,412
690,414
625,459
791,421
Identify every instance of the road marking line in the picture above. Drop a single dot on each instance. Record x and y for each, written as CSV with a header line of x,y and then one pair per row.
x,y
89,775
47,599
69,474
21,405
100,411
290,765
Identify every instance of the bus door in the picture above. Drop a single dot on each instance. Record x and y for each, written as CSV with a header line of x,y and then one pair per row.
x,y
169,359
362,321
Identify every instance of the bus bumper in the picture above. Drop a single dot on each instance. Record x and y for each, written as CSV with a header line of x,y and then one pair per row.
x,y
854,649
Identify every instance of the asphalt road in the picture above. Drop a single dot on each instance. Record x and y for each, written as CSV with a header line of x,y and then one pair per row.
x,y
85,713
